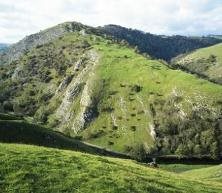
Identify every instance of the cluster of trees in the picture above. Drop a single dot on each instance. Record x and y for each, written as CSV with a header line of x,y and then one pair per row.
x,y
161,47
194,134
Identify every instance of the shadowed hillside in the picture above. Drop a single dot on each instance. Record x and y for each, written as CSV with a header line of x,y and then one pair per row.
x,y
161,47
15,130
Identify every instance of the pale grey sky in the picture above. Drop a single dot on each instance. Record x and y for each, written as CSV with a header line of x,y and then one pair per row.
x,y
19,18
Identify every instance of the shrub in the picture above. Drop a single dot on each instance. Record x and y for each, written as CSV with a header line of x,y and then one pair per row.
x,y
115,127
133,128
39,46
41,115
122,85
113,93
108,109
136,88
212,58
96,134
7,106
182,150
78,137
110,143
139,152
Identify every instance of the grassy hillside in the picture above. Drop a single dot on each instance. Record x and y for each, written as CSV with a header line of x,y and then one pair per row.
x,y
107,94
15,130
206,62
210,173
36,169
137,90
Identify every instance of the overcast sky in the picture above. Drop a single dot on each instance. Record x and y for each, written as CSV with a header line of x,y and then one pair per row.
x,y
19,18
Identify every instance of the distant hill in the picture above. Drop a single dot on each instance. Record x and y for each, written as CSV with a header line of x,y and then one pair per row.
x,y
3,46
216,36
160,47
206,62
157,46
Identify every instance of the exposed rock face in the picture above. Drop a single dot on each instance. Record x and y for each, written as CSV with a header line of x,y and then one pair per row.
x,y
17,72
87,103
152,131
80,85
78,64
65,83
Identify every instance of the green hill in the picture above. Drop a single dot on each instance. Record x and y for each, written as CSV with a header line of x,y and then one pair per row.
x,y
36,169
213,173
206,62
107,94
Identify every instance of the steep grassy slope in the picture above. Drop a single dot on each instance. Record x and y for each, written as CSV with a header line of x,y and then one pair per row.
x,y
34,169
206,62
158,46
210,173
107,94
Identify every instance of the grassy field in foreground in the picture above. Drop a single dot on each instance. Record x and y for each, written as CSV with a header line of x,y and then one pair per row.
x,y
36,169
183,167
213,173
